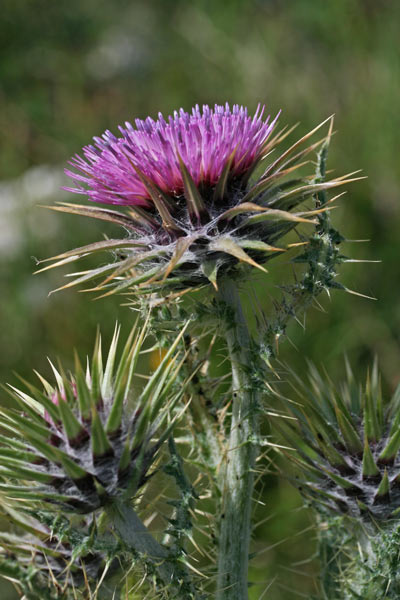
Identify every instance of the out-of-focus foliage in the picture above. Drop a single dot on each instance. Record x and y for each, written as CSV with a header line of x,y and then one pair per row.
x,y
69,70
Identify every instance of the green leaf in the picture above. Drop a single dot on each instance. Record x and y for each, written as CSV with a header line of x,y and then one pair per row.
x,y
376,391
320,493
240,209
322,424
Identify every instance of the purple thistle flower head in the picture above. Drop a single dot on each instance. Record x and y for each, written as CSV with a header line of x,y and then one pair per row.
x,y
203,140
190,200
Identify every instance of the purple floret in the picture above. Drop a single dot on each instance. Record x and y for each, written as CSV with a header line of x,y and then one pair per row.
x,y
203,139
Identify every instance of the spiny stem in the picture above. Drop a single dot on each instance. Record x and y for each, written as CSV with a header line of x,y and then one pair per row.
x,y
237,479
137,537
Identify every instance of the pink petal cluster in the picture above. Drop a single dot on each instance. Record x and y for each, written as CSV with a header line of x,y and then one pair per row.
x,y
203,139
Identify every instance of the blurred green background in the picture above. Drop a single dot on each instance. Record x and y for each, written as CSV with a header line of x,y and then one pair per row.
x,y
70,69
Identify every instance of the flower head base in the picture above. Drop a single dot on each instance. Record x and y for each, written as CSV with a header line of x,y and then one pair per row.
x,y
349,444
87,448
192,209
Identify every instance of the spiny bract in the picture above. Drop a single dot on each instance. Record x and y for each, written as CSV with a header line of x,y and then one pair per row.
x,y
77,443
347,443
193,210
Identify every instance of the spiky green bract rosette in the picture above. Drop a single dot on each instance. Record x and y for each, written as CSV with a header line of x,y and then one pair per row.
x,y
347,440
78,443
193,207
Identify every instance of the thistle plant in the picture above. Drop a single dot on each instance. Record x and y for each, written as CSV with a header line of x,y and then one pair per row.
x,y
161,478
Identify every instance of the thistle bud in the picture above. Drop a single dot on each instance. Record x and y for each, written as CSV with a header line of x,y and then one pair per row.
x,y
347,443
76,442
189,199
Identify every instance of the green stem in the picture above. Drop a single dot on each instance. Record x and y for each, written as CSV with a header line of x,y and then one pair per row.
x,y
238,475
137,537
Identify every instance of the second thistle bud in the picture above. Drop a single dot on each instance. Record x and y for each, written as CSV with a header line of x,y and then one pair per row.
x,y
347,444
77,443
